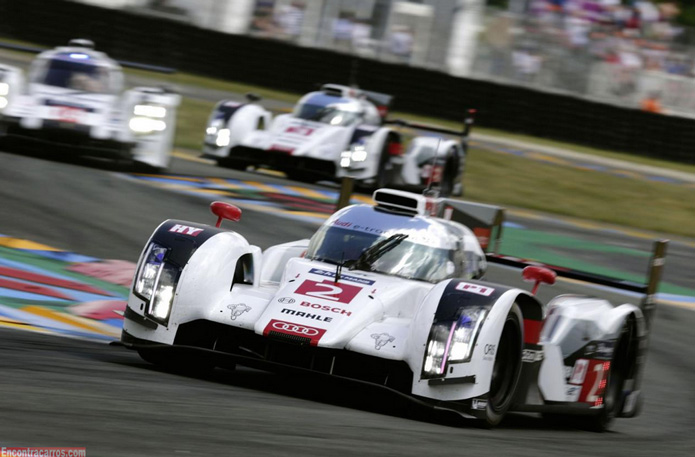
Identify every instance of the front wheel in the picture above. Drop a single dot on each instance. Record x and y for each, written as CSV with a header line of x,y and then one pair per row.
x,y
506,369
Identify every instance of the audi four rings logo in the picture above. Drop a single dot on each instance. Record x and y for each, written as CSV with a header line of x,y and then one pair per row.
x,y
294,328
286,300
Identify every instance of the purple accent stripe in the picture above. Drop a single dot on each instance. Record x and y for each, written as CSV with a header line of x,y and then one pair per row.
x,y
448,345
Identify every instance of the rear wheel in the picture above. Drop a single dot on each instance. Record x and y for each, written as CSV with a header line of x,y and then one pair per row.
x,y
506,369
619,372
229,162
384,176
446,186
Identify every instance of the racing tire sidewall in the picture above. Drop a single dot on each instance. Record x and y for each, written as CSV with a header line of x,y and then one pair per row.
x,y
506,368
384,175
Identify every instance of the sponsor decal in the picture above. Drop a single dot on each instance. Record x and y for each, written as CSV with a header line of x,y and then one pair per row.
x,y
579,371
286,300
475,289
300,130
232,104
238,309
332,309
599,350
479,403
530,356
340,223
331,274
489,351
382,339
296,313
68,114
290,328
572,392
186,230
328,290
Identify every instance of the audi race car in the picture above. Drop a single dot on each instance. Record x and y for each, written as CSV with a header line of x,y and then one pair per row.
x,y
74,97
394,296
333,133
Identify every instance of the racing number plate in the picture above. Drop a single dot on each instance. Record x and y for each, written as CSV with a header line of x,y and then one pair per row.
x,y
328,290
68,114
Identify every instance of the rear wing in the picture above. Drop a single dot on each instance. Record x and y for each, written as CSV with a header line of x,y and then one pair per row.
x,y
648,288
484,220
468,121
381,101
123,63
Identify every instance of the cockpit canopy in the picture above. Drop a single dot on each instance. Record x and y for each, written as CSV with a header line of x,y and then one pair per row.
x,y
335,110
80,71
411,247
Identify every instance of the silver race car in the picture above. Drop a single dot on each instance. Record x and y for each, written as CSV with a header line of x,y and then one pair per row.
x,y
74,97
336,132
392,295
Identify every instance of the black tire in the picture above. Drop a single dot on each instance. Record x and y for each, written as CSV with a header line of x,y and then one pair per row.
x,y
228,162
506,369
384,176
446,187
300,176
622,364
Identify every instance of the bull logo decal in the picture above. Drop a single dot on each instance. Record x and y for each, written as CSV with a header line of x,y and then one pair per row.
x,y
238,309
382,339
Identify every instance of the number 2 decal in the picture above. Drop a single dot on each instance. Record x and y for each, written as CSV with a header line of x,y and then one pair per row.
x,y
328,290
595,382
591,396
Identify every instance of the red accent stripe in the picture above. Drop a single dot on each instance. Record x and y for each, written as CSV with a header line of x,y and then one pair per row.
x,y
33,289
532,331
395,149
43,279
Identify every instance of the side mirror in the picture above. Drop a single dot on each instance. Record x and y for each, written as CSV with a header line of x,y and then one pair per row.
x,y
225,211
250,96
539,275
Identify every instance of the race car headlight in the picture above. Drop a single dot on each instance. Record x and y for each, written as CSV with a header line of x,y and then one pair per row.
x,y
4,89
150,111
160,305
452,341
222,138
3,102
146,125
155,282
357,153
149,271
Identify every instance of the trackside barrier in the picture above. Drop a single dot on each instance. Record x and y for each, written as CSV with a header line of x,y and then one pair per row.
x,y
167,43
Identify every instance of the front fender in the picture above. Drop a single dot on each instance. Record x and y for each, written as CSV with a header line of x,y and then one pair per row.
x,y
471,378
207,258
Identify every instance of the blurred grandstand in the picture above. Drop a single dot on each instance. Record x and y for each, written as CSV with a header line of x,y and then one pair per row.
x,y
627,53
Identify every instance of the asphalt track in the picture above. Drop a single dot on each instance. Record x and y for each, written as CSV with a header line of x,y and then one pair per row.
x,y
68,392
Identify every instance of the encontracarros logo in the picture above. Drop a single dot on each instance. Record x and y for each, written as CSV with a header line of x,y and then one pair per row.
x,y
43,452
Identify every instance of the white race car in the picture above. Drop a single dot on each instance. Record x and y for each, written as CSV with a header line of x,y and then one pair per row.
x,y
389,295
336,132
74,97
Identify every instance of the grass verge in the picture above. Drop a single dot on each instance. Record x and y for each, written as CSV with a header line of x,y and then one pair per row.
x,y
509,180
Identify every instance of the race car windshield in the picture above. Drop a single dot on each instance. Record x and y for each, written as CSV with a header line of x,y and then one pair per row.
x,y
402,258
78,75
331,114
